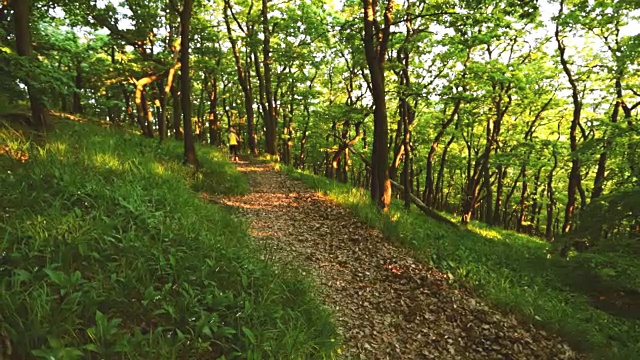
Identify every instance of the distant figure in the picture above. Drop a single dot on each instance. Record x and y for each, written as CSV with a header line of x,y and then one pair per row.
x,y
234,140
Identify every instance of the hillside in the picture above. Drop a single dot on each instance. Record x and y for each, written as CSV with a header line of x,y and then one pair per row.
x,y
109,251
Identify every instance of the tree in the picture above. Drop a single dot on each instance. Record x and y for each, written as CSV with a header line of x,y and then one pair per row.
x,y
21,18
185,83
575,178
242,73
472,118
270,116
376,41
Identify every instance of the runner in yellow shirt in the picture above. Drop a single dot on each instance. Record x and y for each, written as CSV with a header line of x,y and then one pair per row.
x,y
234,141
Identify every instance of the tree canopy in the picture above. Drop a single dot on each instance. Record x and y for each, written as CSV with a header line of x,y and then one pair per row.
x,y
522,115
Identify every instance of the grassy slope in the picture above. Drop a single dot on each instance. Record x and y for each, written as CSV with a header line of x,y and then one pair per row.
x,y
107,249
509,269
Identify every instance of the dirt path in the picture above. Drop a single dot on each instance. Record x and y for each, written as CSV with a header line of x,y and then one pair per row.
x,y
386,304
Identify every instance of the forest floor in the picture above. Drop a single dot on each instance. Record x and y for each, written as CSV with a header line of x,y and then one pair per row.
x,y
387,305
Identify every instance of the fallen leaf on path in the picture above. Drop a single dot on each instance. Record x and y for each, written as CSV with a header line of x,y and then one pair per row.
x,y
386,304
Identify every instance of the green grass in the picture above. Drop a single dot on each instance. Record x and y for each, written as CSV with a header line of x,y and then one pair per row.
x,y
108,251
510,270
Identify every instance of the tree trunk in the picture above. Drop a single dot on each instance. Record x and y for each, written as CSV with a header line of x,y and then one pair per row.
x,y
243,81
22,11
202,134
164,98
472,187
523,200
270,123
429,183
263,103
598,182
185,84
145,118
551,199
375,46
214,120
162,113
439,193
487,214
147,115
507,201
502,174
407,164
398,148
534,197
574,175
303,141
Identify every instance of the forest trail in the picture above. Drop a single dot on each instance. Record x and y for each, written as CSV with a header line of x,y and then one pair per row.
x,y
387,305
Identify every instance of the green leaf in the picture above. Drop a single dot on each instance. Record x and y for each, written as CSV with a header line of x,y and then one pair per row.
x,y
57,277
249,334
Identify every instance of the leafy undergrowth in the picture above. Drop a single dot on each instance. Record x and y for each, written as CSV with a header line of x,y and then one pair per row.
x,y
107,251
510,270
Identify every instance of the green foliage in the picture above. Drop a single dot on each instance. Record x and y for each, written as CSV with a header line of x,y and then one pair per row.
x,y
511,270
605,216
107,252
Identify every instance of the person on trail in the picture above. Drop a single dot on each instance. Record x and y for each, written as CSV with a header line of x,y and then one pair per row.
x,y
234,141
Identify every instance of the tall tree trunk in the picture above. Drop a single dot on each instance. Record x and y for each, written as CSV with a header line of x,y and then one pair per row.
x,y
502,174
439,193
243,81
303,140
166,92
264,110
375,45
507,202
487,214
481,170
141,111
574,175
214,120
148,115
284,150
549,233
398,148
472,187
162,113
407,112
185,84
22,11
202,134
523,200
429,183
407,163
598,182
145,118
534,197
270,123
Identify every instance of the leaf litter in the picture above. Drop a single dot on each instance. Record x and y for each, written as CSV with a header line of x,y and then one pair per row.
x,y
386,304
